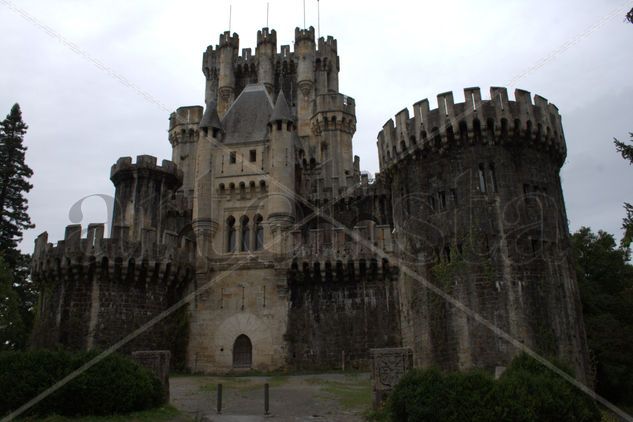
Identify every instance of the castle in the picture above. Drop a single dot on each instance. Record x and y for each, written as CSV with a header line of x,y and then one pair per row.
x,y
261,244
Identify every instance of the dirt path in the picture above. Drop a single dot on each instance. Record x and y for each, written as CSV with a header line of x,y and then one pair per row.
x,y
323,397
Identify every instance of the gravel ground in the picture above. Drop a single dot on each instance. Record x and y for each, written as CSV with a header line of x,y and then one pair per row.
x,y
293,398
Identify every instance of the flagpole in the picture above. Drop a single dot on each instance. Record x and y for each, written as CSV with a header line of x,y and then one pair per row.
x,y
318,19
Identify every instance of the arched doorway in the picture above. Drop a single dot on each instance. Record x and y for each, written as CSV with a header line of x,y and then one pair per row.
x,y
242,352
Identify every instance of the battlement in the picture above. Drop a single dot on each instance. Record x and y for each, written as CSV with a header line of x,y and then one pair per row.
x,y
158,255
228,40
328,44
265,35
334,102
186,115
495,120
304,34
125,168
326,48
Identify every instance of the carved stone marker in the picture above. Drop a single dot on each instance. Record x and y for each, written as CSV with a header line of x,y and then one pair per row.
x,y
387,368
156,361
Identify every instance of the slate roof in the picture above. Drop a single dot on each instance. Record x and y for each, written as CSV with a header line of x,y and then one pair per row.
x,y
247,118
281,111
210,117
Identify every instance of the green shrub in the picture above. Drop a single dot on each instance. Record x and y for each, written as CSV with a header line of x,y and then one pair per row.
x,y
429,395
114,385
526,392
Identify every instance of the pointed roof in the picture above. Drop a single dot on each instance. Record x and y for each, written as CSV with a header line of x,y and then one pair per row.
x,y
210,119
247,118
281,111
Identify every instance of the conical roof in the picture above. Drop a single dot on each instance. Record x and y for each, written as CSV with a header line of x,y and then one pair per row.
x,y
281,111
210,119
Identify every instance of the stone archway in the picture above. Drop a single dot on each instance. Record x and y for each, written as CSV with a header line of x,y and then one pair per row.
x,y
242,352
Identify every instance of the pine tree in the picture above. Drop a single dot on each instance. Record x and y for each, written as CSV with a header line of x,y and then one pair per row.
x,y
14,219
627,223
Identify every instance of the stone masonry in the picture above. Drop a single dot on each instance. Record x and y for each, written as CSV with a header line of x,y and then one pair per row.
x,y
290,258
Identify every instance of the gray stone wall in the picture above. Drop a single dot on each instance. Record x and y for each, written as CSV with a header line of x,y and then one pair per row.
x,y
336,318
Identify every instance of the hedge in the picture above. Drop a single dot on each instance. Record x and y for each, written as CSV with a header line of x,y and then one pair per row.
x,y
526,392
114,385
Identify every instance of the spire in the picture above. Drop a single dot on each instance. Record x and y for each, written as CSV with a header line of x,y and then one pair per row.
x,y
281,111
210,119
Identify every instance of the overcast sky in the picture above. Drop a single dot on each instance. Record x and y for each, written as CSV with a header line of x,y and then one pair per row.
x,y
96,80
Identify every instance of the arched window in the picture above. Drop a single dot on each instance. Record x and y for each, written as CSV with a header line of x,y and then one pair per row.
x,y
246,234
230,234
242,352
259,233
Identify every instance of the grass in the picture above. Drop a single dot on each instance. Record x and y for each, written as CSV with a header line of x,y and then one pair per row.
x,y
165,413
353,393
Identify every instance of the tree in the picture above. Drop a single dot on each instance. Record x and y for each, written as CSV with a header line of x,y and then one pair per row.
x,y
12,329
14,219
605,281
629,16
627,153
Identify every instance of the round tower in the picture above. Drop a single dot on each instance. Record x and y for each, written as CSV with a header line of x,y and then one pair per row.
x,y
282,171
183,137
305,50
142,192
265,55
479,213
228,49
205,212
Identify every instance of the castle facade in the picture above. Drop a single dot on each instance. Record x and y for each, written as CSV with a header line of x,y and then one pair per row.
x,y
261,245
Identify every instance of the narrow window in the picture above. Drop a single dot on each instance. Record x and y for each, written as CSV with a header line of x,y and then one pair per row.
x,y
493,177
482,179
454,197
432,202
259,233
253,155
230,226
246,234
232,157
442,200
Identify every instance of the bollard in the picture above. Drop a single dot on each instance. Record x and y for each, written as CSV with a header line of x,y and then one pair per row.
x,y
219,399
266,399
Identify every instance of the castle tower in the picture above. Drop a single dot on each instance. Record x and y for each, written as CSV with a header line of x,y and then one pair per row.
x,y
282,171
205,211
265,56
327,66
305,50
333,125
479,213
228,48
183,137
142,193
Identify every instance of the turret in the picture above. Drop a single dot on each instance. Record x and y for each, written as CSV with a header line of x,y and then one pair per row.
x,y
305,50
204,207
327,66
228,49
183,137
265,54
282,170
334,124
142,193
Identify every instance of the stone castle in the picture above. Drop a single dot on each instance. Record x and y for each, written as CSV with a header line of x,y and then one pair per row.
x,y
261,245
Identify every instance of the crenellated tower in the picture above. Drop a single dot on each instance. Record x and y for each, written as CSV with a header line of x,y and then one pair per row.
x,y
265,57
227,52
183,137
143,192
479,212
